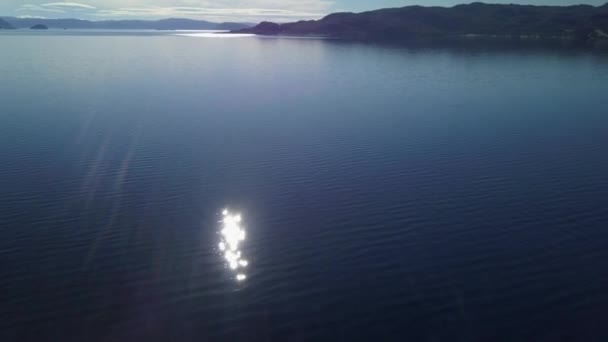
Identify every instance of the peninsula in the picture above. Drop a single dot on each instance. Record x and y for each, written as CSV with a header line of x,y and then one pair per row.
x,y
581,23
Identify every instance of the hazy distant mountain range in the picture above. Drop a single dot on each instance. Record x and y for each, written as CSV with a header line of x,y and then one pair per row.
x,y
165,24
4,25
582,22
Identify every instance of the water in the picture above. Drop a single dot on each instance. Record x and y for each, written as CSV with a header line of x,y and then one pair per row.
x,y
386,193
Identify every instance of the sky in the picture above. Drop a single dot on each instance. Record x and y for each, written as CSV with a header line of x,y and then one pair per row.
x,y
222,10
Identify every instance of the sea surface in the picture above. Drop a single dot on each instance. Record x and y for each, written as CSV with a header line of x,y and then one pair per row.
x,y
385,193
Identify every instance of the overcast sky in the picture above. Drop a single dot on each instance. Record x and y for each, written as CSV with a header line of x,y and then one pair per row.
x,y
219,10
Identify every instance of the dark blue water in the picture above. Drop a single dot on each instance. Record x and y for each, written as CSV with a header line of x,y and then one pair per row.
x,y
388,193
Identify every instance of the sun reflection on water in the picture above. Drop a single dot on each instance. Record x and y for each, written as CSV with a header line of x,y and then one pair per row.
x,y
232,235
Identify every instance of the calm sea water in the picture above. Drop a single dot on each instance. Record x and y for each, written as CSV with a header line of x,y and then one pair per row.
x,y
387,193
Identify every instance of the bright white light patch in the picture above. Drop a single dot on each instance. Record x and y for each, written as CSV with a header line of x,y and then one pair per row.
x,y
216,34
232,236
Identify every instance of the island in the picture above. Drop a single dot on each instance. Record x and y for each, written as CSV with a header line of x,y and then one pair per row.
x,y
4,25
39,27
579,23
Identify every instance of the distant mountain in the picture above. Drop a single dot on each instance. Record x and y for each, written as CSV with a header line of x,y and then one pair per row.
x,y
4,25
580,22
165,24
39,27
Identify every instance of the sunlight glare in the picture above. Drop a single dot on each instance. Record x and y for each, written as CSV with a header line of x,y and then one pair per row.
x,y
232,236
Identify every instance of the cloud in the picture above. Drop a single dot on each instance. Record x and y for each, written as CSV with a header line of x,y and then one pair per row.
x,y
224,10
213,10
36,8
30,17
210,13
68,5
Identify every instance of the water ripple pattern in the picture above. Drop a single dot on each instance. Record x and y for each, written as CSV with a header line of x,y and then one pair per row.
x,y
378,193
